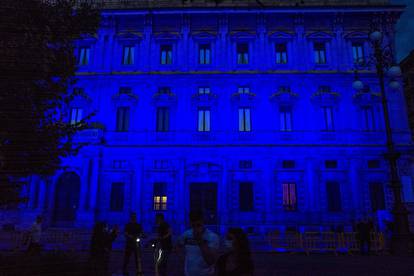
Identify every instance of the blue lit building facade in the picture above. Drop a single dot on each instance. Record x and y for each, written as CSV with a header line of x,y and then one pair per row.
x,y
245,112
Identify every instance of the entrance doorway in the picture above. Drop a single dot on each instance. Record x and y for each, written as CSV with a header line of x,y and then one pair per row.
x,y
203,197
66,199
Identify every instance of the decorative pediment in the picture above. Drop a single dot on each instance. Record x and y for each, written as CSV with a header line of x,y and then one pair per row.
x,y
203,168
167,35
125,96
244,98
284,97
319,35
204,99
364,98
129,35
325,96
164,97
280,35
242,34
204,35
356,35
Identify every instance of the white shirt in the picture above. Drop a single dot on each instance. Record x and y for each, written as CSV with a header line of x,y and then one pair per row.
x,y
194,261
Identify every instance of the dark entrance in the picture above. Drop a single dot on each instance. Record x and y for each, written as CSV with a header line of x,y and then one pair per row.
x,y
66,199
203,196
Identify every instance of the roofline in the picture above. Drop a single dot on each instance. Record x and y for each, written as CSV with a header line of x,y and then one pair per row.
x,y
217,10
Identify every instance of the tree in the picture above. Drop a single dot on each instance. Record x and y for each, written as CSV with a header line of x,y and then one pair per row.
x,y
37,67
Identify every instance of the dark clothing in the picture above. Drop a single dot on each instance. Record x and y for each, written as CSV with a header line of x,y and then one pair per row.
x,y
165,243
162,263
101,245
243,267
364,237
127,255
132,230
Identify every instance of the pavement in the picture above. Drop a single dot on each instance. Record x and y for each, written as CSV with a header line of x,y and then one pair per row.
x,y
266,264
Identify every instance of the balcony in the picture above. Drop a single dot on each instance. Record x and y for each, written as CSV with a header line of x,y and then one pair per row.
x,y
93,135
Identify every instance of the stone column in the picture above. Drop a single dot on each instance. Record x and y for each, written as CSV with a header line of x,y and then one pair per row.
x,y
223,45
356,190
146,43
311,188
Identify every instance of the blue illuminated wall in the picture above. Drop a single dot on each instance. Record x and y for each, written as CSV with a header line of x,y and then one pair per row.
x,y
268,156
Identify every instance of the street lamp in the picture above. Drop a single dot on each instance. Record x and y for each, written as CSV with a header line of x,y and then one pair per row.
x,y
384,62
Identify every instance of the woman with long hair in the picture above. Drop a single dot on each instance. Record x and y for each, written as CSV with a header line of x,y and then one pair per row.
x,y
238,260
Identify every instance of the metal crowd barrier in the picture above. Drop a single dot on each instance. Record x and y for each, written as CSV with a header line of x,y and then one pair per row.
x,y
310,242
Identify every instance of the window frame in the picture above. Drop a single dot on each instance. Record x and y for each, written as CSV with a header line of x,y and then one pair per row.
x,y
160,196
317,53
242,53
286,122
123,118
246,202
163,122
115,200
281,57
204,117
204,61
131,60
168,54
328,117
245,119
84,59
291,202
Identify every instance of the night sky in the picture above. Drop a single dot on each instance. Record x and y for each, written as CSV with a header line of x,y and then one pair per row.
x,y
405,30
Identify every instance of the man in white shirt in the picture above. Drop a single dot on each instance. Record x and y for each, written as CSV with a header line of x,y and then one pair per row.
x,y
201,247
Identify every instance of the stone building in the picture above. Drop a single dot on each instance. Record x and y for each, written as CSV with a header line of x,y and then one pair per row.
x,y
241,109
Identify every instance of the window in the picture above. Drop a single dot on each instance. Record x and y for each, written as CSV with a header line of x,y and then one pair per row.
x,y
205,54
128,55
75,115
288,164
281,53
244,119
285,118
243,90
84,53
117,196
328,117
289,196
122,122
160,196
319,49
331,164
369,118
203,119
164,90
358,52
242,53
376,191
333,192
373,164
163,119
245,164
203,90
246,196
166,54
408,188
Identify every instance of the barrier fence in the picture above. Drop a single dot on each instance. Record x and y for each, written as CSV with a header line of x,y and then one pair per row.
x,y
309,242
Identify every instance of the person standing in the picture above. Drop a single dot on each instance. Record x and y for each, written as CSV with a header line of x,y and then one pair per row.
x,y
133,234
164,245
35,235
364,229
238,261
201,246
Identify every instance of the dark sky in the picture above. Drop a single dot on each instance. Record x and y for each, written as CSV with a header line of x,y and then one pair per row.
x,y
405,29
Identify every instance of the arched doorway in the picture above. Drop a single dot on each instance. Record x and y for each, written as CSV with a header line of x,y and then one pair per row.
x,y
67,194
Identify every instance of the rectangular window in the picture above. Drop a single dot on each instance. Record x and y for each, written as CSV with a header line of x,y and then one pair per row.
x,y
75,115
243,90
319,49
122,122
376,191
166,54
242,53
246,196
245,164
117,196
328,118
204,119
281,53
163,119
286,118
333,192
128,55
358,52
245,123
374,164
205,54
203,90
289,196
331,164
160,196
288,164
369,118
84,53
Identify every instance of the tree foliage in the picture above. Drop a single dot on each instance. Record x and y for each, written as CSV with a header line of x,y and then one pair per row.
x,y
37,67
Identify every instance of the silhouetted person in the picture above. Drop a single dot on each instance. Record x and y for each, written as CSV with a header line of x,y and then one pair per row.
x,y
35,234
101,245
238,261
201,246
133,234
364,229
164,245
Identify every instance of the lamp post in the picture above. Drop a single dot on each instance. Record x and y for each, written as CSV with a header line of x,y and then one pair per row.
x,y
384,62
